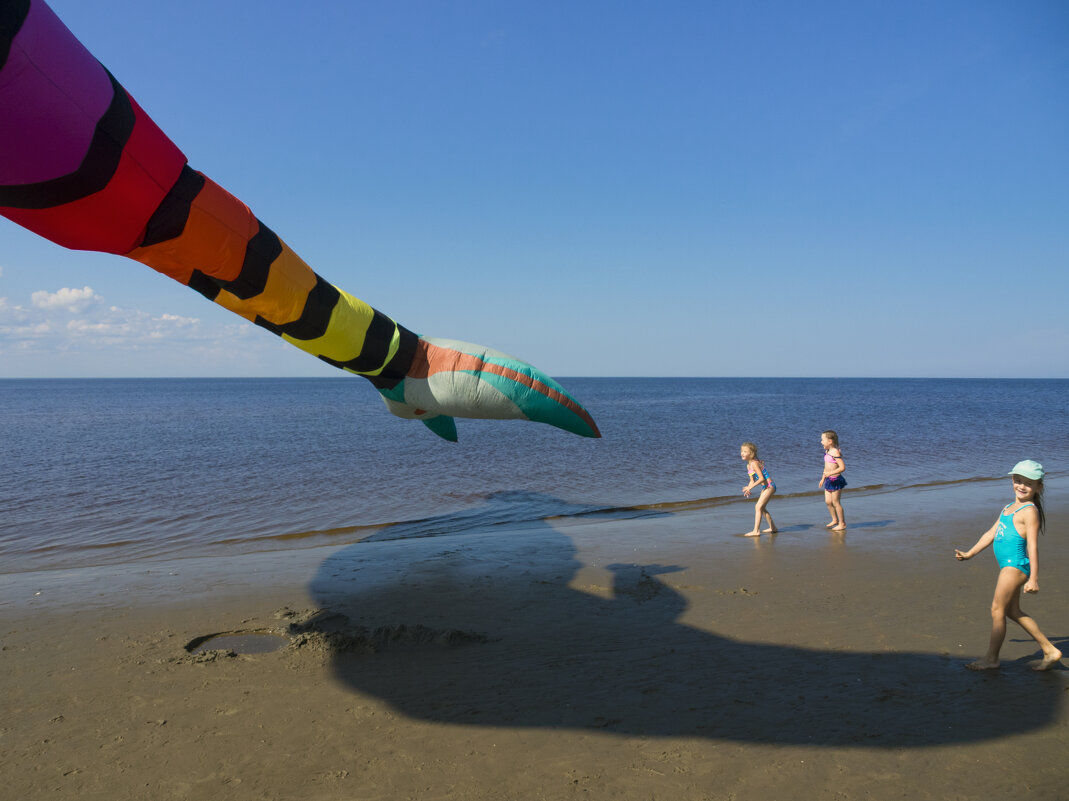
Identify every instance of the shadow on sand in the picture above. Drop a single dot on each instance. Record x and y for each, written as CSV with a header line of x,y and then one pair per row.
x,y
517,646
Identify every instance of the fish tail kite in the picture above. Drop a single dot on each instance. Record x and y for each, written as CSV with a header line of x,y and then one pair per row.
x,y
84,166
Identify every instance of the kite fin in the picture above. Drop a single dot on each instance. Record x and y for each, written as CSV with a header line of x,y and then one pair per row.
x,y
444,426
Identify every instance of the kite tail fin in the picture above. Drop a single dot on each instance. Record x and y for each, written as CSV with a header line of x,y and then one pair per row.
x,y
444,426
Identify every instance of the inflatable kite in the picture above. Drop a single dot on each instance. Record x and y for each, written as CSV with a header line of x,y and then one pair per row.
x,y
83,165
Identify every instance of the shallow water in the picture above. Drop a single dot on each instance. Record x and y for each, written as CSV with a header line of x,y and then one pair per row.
x,y
116,471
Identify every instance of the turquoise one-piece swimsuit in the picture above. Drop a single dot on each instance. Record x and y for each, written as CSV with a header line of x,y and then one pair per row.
x,y
1011,549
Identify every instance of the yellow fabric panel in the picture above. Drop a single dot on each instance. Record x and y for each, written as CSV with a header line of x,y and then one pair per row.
x,y
344,338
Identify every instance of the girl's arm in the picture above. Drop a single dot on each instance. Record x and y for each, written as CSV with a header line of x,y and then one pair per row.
x,y
985,539
1030,518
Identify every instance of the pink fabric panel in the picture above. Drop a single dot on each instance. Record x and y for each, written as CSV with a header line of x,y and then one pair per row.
x,y
52,93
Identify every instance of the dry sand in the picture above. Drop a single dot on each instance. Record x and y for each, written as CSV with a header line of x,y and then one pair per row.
x,y
659,658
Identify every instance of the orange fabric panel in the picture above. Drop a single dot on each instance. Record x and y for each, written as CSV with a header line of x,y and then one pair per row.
x,y
288,283
213,241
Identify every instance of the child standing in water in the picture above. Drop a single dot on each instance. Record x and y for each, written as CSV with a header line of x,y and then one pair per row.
x,y
833,481
1015,536
759,477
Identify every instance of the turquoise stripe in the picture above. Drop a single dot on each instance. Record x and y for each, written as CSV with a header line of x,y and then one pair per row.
x,y
536,406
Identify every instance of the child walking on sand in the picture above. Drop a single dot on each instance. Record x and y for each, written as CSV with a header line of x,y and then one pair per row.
x,y
759,477
832,481
1015,536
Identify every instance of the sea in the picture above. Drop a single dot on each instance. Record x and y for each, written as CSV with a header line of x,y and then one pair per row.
x,y
112,471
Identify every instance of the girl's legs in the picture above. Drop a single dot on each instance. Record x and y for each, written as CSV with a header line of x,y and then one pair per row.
x,y
835,509
756,530
759,510
762,509
1007,603
1051,655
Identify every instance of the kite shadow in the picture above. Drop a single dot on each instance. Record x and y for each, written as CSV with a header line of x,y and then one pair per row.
x,y
497,629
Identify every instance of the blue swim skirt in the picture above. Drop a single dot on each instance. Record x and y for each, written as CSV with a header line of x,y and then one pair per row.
x,y
833,484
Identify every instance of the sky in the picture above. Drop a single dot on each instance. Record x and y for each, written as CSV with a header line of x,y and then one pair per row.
x,y
617,188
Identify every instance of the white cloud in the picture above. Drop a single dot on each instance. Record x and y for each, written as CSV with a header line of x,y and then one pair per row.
x,y
50,337
74,300
78,319
132,328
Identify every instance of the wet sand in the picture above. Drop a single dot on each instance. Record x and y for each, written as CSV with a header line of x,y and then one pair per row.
x,y
664,657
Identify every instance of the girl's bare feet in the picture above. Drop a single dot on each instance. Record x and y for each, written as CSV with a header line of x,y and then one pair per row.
x,y
771,530
832,524
983,664
840,527
752,534
1049,660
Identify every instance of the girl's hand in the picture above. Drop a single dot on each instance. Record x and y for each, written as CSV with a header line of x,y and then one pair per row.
x,y
746,492
961,556
1032,585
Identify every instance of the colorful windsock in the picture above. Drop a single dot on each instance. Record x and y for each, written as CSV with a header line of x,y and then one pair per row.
x,y
83,165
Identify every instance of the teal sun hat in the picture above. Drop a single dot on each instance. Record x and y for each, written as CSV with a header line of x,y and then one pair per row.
x,y
1029,468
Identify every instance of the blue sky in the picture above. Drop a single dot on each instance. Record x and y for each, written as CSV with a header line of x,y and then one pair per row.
x,y
600,188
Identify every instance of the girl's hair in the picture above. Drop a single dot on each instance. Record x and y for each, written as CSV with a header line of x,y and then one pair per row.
x,y
751,448
1037,499
833,437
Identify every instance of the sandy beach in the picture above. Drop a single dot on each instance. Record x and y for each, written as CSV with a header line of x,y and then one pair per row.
x,y
661,657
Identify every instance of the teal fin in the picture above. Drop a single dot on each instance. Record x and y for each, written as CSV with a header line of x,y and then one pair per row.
x,y
444,426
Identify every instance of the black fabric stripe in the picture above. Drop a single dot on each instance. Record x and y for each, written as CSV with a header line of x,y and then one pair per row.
x,y
169,219
12,14
260,254
204,284
97,168
376,345
315,317
377,342
397,369
267,324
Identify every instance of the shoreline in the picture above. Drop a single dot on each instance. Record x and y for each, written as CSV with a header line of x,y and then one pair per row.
x,y
663,656
467,521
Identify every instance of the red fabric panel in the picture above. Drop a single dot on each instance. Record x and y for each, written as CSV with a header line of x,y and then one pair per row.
x,y
113,219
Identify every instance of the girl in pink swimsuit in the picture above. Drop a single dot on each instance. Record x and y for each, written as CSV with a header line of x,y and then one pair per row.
x,y
832,481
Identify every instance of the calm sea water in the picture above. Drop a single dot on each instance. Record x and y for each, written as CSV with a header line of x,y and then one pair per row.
x,y
107,471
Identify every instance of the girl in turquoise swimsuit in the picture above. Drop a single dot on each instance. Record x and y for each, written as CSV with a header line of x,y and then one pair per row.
x,y
1015,537
759,477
